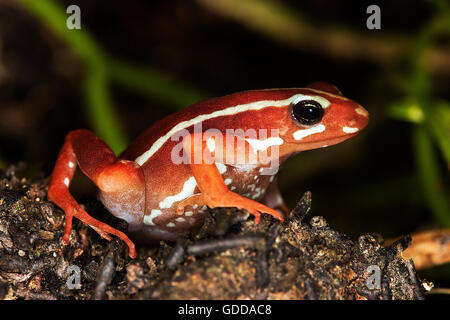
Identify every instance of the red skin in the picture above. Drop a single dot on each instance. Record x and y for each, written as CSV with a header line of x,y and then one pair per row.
x,y
137,190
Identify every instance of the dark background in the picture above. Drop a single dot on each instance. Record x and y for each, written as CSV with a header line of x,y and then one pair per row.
x,y
366,184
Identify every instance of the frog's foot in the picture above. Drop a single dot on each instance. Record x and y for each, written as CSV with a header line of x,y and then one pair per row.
x,y
231,199
101,228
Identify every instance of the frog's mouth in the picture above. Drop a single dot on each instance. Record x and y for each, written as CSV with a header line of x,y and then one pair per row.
x,y
298,145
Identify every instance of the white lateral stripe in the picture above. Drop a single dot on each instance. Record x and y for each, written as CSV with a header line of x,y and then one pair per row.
x,y
265,144
300,134
149,218
257,105
188,190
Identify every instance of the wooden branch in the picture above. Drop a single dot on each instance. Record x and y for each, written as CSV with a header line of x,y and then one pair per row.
x,y
428,249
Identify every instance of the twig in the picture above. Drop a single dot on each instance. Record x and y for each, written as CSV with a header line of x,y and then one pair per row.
x,y
104,276
428,249
210,246
413,277
302,208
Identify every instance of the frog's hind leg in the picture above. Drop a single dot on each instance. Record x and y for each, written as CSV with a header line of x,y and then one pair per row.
x,y
98,162
274,200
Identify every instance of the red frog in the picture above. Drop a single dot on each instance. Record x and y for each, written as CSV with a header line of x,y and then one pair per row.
x,y
222,152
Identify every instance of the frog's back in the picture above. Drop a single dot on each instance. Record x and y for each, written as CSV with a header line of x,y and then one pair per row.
x,y
147,139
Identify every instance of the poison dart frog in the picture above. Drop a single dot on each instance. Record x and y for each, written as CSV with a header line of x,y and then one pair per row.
x,y
222,152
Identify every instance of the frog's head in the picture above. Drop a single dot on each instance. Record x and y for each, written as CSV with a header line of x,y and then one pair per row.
x,y
319,116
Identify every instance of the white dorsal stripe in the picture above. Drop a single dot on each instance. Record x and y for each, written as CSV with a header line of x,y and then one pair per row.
x,y
257,105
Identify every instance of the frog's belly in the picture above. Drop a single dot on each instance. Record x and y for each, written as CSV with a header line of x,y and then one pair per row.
x,y
250,182
163,222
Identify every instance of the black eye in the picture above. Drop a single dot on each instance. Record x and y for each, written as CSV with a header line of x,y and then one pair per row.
x,y
307,112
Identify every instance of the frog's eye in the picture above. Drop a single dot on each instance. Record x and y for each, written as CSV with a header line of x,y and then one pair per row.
x,y
307,112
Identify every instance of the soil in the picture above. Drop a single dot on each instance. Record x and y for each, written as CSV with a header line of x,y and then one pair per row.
x,y
231,257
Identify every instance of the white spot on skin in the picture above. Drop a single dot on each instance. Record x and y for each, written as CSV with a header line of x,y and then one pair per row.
x,y
279,199
233,188
170,225
180,219
66,181
211,143
149,218
300,134
259,145
188,190
195,206
245,167
71,164
221,167
350,129
361,111
256,105
228,181
258,193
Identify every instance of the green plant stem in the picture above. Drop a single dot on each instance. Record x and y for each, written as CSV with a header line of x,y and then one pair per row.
x,y
99,108
154,84
429,175
427,164
101,70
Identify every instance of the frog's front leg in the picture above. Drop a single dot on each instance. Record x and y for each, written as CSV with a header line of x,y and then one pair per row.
x,y
214,191
98,162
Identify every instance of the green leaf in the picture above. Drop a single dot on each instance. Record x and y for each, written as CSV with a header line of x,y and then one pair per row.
x,y
431,176
438,122
407,111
